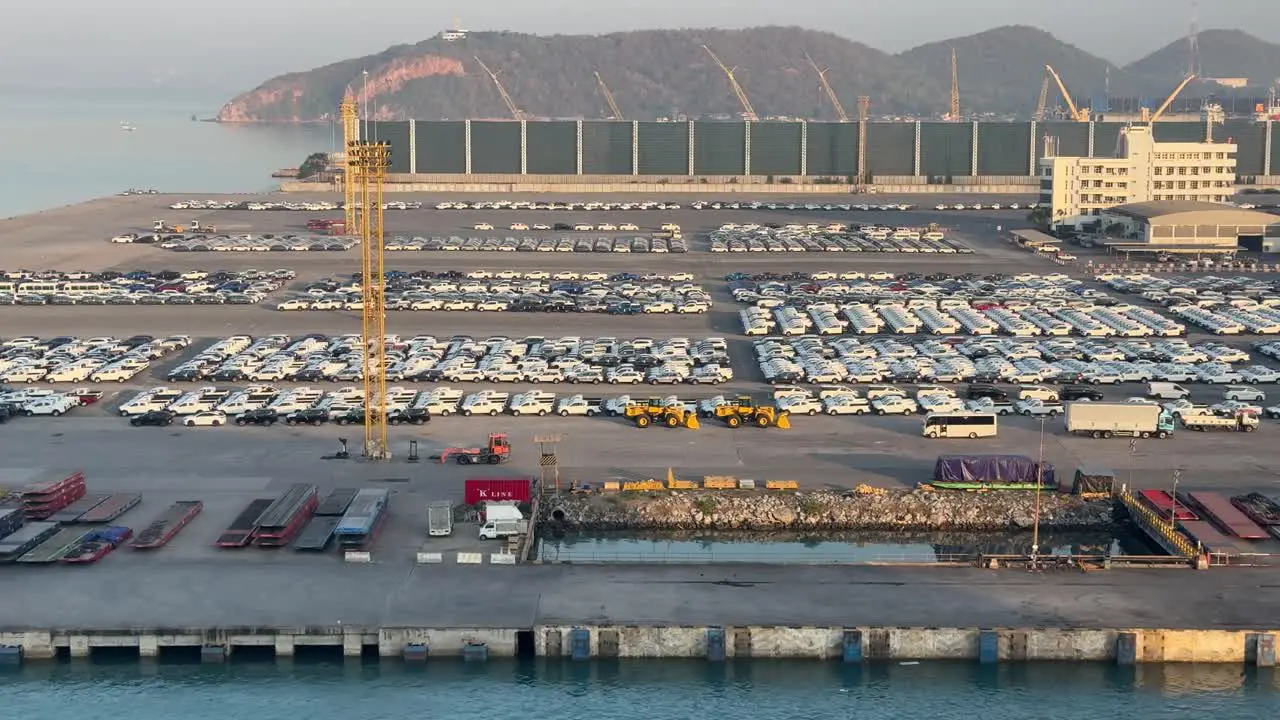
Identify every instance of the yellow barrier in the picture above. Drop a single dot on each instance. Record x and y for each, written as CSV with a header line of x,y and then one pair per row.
x,y
612,485
1159,524
782,485
682,485
642,486
720,484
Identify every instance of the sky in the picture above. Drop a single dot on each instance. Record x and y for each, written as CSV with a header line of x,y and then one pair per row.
x,y
233,45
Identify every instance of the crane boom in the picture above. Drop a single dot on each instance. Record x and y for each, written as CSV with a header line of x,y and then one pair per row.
x,y
1043,99
747,111
1076,113
608,97
516,112
826,87
1172,96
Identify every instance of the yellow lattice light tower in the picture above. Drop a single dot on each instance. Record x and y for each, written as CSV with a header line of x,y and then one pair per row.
x,y
370,162
350,113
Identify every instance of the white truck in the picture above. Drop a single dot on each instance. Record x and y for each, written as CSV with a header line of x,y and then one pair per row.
x,y
502,520
532,403
439,518
1240,422
1109,419
579,405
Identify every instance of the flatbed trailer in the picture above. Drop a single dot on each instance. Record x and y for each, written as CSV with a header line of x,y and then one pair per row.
x,y
72,512
56,546
97,544
115,506
1226,516
335,504
240,532
1261,509
359,522
25,538
10,520
317,535
1209,538
1163,504
281,522
168,524
367,540
42,500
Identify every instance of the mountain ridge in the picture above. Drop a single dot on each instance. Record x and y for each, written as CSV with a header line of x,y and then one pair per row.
x,y
665,73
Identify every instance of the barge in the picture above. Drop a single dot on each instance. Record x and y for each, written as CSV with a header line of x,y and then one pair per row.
x,y
284,519
167,525
241,530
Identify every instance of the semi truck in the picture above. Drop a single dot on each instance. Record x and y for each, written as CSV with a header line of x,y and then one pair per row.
x,y
1111,419
1240,422
440,518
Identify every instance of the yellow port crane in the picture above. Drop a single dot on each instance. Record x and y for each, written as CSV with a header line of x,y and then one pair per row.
x,y
608,98
369,161
826,87
1150,117
953,113
350,113
516,112
748,112
1077,114
1043,99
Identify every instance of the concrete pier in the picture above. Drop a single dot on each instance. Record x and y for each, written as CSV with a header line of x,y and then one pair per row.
x,y
848,644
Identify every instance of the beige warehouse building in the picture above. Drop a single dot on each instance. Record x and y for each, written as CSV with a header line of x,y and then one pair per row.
x,y
1077,189
1185,226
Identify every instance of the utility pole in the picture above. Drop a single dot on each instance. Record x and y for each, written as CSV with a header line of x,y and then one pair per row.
x,y
1035,527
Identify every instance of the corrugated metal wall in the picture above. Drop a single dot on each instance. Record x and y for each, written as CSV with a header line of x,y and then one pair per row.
x,y
775,148
664,148
606,148
832,149
1004,148
441,146
495,147
1275,148
891,148
1073,138
946,149
719,148
395,133
551,148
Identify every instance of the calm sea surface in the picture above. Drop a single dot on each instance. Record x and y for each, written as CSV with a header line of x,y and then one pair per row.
x,y
65,147
655,690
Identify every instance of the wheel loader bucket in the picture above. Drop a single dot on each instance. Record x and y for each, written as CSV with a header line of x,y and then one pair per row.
x,y
691,421
784,421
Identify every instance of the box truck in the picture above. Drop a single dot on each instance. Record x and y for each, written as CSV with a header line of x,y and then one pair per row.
x,y
1109,419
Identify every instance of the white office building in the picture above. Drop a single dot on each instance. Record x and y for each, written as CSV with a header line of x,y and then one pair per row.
x,y
1077,189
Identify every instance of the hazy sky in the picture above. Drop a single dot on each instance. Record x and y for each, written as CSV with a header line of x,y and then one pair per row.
x,y
237,43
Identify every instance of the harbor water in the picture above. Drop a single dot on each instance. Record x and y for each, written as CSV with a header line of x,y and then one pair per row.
x,y
830,548
654,690
72,146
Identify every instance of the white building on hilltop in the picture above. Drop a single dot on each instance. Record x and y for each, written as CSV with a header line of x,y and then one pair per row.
x,y
1143,170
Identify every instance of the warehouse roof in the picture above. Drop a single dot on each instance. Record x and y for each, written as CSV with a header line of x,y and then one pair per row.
x,y
1188,212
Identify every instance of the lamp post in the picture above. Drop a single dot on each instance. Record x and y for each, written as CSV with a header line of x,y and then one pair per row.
x,y
1173,507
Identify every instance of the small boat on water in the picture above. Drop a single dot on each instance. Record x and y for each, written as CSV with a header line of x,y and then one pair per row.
x,y
127,127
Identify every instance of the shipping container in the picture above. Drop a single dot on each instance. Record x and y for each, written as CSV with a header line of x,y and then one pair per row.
x,y
478,490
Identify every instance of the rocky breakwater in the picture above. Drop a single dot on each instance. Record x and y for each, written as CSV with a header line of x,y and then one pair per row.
x,y
870,509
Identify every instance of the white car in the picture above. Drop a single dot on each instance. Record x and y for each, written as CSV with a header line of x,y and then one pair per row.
x,y
1243,393
1255,374
541,226
1034,407
894,405
801,405
208,418
624,376
519,226
54,405
482,226
294,304
583,227
630,227
607,227
846,405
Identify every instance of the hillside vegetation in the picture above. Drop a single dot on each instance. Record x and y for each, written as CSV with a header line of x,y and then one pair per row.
x,y
664,73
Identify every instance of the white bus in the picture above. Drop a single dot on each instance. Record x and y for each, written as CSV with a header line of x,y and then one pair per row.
x,y
959,425
83,287
8,287
37,288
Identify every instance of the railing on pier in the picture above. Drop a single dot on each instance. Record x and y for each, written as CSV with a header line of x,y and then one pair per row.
x,y
1159,528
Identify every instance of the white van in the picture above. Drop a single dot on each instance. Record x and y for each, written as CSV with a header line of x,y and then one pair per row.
x,y
1167,391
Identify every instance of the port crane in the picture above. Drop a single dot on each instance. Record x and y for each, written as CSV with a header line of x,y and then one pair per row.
x,y
826,87
1077,114
953,113
350,113
1150,117
608,98
1044,98
516,112
747,111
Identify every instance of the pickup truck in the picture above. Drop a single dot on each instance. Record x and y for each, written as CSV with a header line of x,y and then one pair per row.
x,y
579,405
531,404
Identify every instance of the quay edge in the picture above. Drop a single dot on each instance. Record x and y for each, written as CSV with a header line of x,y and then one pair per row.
x,y
585,642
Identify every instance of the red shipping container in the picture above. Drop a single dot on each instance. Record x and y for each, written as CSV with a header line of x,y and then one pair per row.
x,y
478,490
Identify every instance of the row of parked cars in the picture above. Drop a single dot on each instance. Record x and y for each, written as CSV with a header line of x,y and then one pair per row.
x,y
798,290
563,244
309,205
1017,318
140,287
257,243
832,237
499,291
819,360
29,402
425,358
65,359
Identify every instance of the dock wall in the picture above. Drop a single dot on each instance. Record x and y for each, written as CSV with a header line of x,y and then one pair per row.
x,y
585,642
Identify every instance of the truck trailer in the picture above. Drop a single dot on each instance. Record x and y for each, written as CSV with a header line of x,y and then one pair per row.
x,y
440,518
991,472
1240,422
1111,419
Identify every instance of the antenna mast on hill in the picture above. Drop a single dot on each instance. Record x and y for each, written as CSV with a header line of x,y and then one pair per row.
x,y
1193,43
516,112
826,87
747,111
